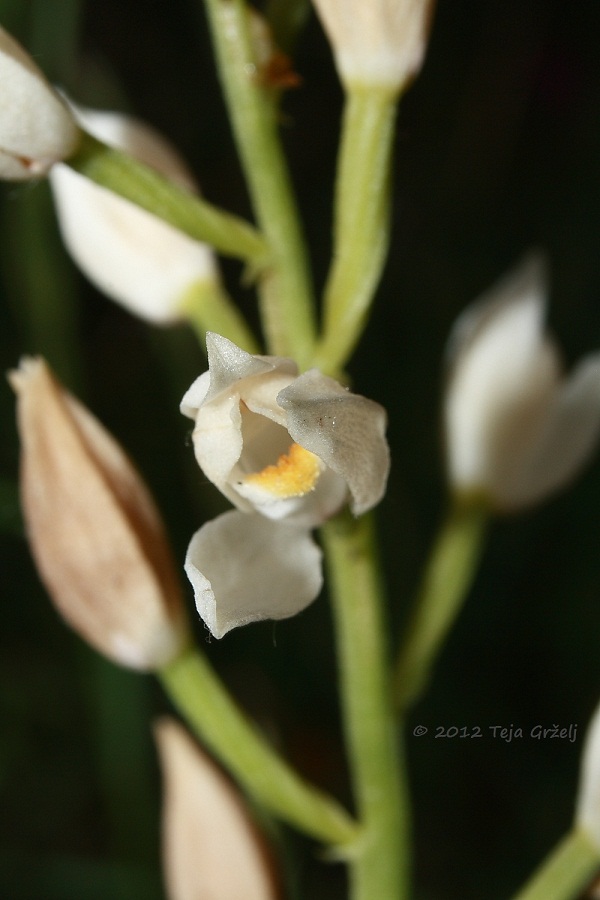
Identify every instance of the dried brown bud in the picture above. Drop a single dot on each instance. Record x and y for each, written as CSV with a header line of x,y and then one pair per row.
x,y
94,530
211,849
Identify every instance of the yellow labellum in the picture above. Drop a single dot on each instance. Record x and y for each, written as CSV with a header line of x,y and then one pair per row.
x,y
294,474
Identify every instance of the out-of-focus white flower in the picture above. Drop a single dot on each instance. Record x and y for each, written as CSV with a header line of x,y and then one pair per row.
x,y
379,42
516,429
94,531
211,848
587,810
288,450
132,256
36,128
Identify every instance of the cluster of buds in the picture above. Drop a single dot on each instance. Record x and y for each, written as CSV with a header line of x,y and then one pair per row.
x,y
132,256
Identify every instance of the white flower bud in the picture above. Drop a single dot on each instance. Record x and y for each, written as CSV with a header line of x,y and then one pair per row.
x,y
94,530
516,429
587,811
211,848
132,256
376,42
36,128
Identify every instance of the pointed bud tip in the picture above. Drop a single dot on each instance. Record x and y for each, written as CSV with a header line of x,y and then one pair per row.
x,y
211,847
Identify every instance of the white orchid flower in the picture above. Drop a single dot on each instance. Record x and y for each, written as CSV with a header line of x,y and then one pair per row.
x,y
36,128
288,450
516,429
133,257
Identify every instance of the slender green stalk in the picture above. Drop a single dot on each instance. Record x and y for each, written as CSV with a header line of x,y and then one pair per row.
x,y
209,710
207,307
197,218
566,872
448,577
380,869
361,221
285,290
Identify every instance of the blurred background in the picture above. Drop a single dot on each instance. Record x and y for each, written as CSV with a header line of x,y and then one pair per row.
x,y
498,150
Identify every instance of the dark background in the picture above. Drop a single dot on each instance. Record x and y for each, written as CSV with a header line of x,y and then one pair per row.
x,y
498,150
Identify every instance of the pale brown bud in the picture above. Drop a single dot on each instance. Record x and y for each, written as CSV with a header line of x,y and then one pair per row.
x,y
211,848
95,533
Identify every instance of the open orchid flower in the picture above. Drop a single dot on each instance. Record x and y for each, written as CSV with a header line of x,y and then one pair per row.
x,y
516,429
288,450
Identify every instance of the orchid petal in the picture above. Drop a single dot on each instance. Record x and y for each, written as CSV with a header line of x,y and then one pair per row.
x,y
138,138
194,396
235,380
503,373
307,510
229,365
345,430
245,568
570,435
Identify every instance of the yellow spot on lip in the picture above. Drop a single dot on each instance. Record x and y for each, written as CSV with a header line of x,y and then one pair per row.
x,y
294,474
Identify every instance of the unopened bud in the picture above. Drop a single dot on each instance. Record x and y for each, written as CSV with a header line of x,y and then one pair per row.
x,y
36,128
95,533
517,429
211,848
587,814
130,255
376,42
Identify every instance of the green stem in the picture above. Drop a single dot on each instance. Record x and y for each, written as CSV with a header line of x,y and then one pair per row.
x,y
380,869
448,577
114,170
566,871
285,291
361,221
287,18
207,307
201,698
